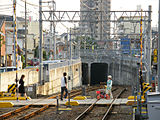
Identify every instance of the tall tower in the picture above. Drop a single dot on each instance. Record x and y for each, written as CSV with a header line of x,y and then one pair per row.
x,y
96,25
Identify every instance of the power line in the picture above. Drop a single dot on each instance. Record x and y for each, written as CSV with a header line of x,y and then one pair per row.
x,y
35,5
6,5
6,8
92,8
20,5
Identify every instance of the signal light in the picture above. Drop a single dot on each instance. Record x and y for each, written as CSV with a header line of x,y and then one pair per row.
x,y
37,69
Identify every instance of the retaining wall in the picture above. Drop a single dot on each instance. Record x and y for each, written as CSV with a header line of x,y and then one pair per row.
x,y
50,87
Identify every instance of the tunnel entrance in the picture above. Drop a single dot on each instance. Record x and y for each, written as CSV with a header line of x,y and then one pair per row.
x,y
84,73
99,73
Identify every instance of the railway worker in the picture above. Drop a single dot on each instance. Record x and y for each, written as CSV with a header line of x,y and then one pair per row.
x,y
109,86
64,86
21,89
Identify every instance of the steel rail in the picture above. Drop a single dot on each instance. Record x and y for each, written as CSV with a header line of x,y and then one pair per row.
x,y
89,89
48,105
82,115
110,107
8,114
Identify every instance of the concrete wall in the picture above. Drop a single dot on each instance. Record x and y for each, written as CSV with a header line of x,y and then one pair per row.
x,y
6,78
123,74
53,86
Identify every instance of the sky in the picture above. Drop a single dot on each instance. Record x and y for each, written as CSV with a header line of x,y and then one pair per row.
x,y
75,5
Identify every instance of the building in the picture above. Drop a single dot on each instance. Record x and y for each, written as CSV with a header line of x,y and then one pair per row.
x,y
96,27
48,43
33,29
32,36
9,28
61,41
131,30
2,42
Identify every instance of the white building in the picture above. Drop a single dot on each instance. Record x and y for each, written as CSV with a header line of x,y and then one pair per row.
x,y
125,28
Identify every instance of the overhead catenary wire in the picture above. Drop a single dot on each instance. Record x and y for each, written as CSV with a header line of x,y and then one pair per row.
x,y
6,5
92,8
20,5
6,8
35,5
48,1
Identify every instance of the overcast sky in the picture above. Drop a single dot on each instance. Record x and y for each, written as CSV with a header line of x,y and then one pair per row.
x,y
75,5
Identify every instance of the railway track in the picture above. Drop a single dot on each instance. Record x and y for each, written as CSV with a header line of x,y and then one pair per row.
x,y
29,111
91,111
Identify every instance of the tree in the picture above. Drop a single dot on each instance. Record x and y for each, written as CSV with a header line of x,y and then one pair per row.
x,y
44,55
86,41
36,52
23,60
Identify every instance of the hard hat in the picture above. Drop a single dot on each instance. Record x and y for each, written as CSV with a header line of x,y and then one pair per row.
x,y
109,76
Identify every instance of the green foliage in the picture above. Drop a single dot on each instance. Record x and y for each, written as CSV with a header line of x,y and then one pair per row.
x,y
2,40
23,60
36,52
86,41
44,55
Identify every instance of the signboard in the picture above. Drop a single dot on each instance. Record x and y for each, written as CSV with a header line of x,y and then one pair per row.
x,y
125,45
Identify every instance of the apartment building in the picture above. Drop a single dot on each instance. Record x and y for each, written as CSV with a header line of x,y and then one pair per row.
x,y
97,25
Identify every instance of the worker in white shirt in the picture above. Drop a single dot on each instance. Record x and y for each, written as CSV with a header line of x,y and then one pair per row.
x,y
64,86
109,86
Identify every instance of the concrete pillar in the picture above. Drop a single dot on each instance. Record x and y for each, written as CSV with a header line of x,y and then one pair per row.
x,y
89,73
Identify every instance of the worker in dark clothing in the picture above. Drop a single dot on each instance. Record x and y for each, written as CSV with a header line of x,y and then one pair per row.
x,y
64,86
21,87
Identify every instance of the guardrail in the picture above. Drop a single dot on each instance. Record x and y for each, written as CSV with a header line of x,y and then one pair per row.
x,y
63,63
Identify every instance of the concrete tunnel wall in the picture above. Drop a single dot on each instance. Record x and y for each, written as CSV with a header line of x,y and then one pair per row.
x,y
48,88
122,74
85,74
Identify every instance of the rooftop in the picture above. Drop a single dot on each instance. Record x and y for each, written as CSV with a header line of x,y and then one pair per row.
x,y
10,18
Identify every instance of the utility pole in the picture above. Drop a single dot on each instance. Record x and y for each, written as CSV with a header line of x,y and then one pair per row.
x,y
15,40
54,31
101,22
70,44
40,43
14,31
54,39
25,34
149,36
159,49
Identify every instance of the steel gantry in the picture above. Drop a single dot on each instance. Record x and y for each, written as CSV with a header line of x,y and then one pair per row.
x,y
113,44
